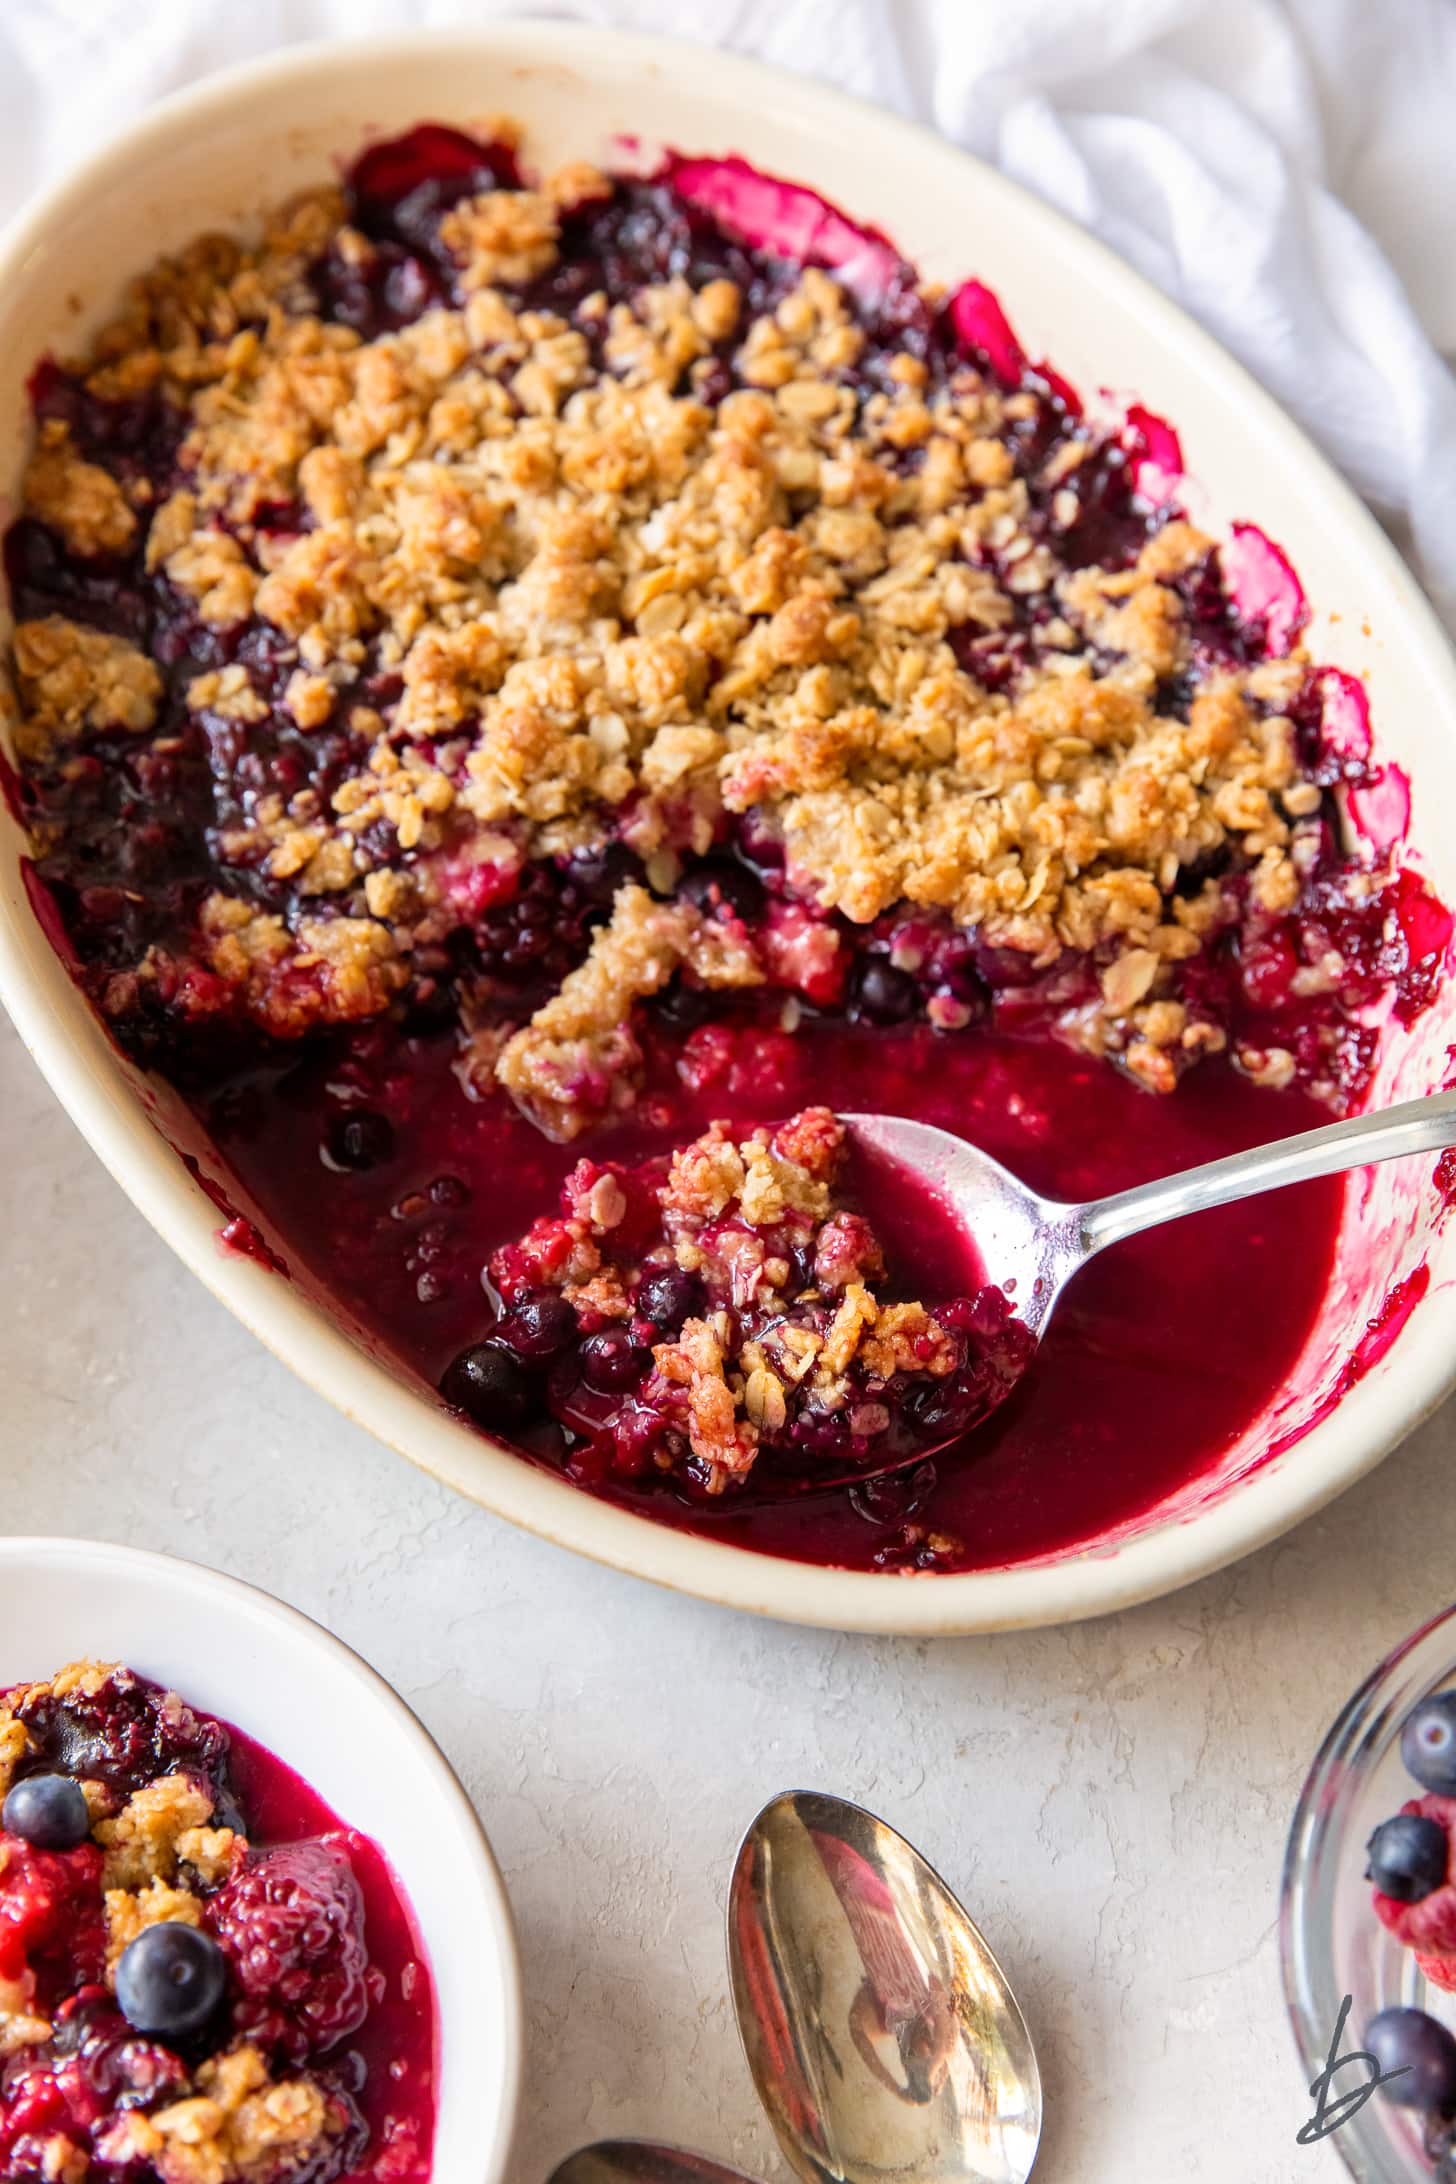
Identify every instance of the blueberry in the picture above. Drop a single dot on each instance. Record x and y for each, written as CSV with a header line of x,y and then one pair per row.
x,y
685,1006
883,994
611,1361
956,969
1412,2042
228,1813
939,1410
1408,1857
488,1385
360,1139
597,873
429,1005
721,883
667,1296
1005,967
1428,1743
170,1980
48,1810
539,1325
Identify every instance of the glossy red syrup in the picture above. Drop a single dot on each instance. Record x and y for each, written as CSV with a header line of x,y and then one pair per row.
x,y
397,2042
1157,1359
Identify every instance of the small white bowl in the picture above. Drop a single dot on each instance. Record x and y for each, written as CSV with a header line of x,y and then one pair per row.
x,y
212,157
233,1651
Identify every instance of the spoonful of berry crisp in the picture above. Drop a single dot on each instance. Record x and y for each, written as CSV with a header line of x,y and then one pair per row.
x,y
744,1316
1029,1247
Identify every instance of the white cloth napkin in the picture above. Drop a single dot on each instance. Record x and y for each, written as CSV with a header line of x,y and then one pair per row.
x,y
1284,168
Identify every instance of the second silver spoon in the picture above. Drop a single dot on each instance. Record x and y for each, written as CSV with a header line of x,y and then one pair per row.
x,y
883,2036
634,2161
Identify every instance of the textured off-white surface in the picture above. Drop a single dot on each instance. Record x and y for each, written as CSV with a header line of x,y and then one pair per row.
x,y
1110,1798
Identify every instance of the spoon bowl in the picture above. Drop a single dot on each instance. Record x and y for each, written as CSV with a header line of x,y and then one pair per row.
x,y
1030,1247
634,2161
882,2035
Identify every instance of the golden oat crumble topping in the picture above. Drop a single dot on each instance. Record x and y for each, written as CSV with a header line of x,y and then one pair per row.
x,y
578,1055
79,499
353,967
130,1911
611,606
242,2126
63,2161
72,679
162,1827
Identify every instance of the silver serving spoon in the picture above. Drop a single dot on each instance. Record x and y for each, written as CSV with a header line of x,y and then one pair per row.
x,y
879,2028
633,2161
1031,1246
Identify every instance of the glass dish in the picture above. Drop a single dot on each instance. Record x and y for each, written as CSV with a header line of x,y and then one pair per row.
x,y
1331,1942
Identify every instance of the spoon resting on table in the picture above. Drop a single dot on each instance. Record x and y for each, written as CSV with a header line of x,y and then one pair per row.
x,y
634,2161
1030,1247
883,2036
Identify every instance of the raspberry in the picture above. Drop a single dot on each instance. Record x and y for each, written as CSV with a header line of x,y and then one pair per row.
x,y
803,952
292,1926
539,1259
50,1907
707,1056
92,2066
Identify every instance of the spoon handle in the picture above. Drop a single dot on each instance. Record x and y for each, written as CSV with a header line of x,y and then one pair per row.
x,y
1418,1126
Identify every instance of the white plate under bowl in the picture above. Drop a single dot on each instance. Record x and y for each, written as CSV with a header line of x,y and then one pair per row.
x,y
238,1653
211,158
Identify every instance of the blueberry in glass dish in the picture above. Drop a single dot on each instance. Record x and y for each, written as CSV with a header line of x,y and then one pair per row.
x,y
532,689
205,1977
1413,1893
1416,2055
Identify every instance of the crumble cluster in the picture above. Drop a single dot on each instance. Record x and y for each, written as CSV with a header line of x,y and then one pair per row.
x,y
239,2124
553,584
578,1057
789,1335
154,1855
